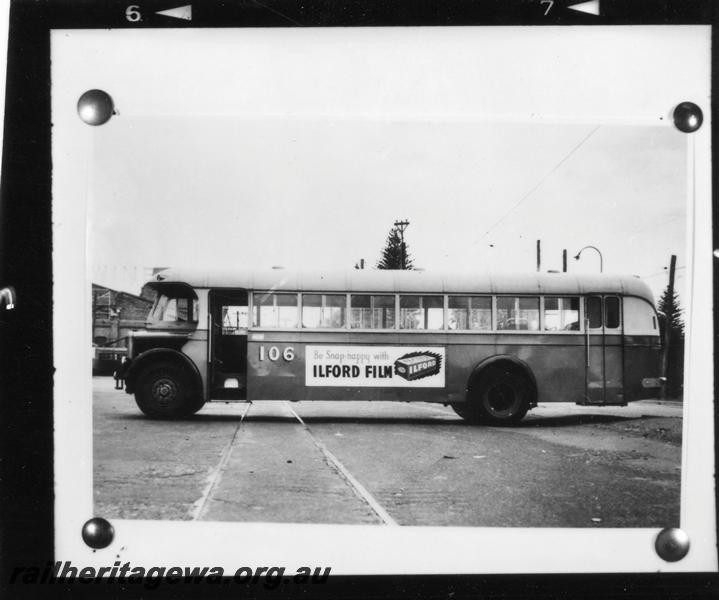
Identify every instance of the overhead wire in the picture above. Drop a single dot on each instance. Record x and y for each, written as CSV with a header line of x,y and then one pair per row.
x,y
662,272
542,180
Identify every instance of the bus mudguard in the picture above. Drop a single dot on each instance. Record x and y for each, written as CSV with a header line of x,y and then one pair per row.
x,y
504,358
154,354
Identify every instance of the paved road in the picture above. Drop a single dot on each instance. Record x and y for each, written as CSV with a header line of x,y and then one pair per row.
x,y
388,463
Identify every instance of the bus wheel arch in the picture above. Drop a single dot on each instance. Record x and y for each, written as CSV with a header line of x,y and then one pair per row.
x,y
500,391
166,384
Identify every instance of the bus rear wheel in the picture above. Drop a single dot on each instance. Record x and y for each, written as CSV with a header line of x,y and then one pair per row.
x,y
165,390
468,411
501,395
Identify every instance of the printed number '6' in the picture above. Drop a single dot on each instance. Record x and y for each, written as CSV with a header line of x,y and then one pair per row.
x,y
288,353
132,13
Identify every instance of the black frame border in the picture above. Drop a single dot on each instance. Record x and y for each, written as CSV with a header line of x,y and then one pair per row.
x,y
26,360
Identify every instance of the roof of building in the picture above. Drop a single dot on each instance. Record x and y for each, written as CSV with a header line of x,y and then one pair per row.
x,y
104,289
390,281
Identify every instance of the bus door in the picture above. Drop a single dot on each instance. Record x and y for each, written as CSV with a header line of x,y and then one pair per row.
x,y
229,316
604,349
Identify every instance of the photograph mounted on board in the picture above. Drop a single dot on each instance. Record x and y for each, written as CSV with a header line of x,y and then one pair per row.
x,y
348,293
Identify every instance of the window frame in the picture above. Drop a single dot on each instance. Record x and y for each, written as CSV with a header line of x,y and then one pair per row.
x,y
600,328
492,313
580,313
620,325
274,294
398,309
193,311
322,306
516,297
392,295
445,312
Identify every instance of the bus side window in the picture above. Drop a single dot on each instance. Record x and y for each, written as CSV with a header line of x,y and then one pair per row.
x,y
611,312
371,312
274,310
323,310
518,313
594,312
469,312
561,314
421,312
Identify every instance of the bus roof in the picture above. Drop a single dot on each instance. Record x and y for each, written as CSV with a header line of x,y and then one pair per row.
x,y
390,281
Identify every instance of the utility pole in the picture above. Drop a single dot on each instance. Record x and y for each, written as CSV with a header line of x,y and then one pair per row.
x,y
401,226
668,322
564,260
539,255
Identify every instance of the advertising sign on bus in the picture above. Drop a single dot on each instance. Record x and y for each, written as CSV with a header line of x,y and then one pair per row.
x,y
375,366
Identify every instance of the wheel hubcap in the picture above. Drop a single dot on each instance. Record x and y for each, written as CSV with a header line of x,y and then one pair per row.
x,y
164,391
501,399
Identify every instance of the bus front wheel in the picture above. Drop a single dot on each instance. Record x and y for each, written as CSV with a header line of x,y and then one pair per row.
x,y
164,390
500,395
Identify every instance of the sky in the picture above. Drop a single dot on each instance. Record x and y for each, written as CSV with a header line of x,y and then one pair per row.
x,y
300,147
313,193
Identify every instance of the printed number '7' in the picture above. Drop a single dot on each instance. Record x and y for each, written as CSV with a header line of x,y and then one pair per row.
x,y
549,3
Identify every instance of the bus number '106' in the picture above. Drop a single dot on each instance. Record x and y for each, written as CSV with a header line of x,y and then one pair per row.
x,y
274,353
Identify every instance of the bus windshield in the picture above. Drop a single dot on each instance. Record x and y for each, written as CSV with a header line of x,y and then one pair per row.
x,y
169,309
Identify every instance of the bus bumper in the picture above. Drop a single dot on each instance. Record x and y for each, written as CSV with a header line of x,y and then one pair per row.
x,y
653,382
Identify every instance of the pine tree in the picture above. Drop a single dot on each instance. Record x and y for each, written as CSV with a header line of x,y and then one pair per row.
x,y
395,254
669,308
670,315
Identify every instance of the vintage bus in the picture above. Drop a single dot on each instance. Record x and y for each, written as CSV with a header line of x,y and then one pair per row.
x,y
489,345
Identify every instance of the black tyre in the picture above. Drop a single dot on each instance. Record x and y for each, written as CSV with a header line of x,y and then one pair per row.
x,y
165,390
468,411
500,395
503,394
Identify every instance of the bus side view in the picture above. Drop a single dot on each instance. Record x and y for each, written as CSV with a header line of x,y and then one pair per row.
x,y
491,346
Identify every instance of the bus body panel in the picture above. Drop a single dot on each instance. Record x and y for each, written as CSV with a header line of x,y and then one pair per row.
x,y
613,369
551,358
284,379
196,349
554,360
642,360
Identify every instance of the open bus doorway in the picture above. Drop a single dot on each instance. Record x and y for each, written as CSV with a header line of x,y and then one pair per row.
x,y
229,315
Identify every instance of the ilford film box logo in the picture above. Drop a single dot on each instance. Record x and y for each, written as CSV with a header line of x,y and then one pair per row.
x,y
375,366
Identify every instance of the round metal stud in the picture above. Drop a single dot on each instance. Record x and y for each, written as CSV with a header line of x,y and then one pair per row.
x,y
672,544
98,533
688,117
95,107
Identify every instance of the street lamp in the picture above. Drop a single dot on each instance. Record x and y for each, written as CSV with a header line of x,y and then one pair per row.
x,y
601,259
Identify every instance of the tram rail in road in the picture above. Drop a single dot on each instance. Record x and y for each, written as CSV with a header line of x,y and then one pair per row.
x,y
214,477
388,464
331,461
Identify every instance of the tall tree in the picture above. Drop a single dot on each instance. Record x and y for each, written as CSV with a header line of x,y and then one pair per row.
x,y
669,308
670,315
395,254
